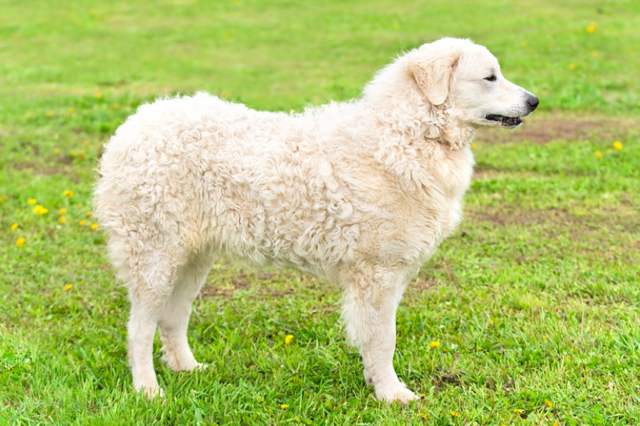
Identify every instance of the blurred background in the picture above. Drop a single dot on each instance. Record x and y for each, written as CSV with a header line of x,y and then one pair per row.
x,y
575,54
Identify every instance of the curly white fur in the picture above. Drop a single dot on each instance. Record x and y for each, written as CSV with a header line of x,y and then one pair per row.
x,y
359,193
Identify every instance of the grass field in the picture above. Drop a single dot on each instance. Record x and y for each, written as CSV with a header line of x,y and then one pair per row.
x,y
535,300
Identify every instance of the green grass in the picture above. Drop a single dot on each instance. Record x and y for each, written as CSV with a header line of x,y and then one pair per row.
x,y
534,298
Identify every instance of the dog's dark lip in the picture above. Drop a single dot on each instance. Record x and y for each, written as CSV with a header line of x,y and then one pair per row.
x,y
505,121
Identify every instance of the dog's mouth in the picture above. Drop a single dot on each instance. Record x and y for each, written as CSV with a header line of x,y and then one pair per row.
x,y
510,122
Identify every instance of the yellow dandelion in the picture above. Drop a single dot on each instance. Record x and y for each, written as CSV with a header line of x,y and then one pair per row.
x,y
288,339
617,145
56,151
49,114
85,143
592,28
454,414
74,153
67,287
545,336
572,66
98,95
422,396
32,201
94,226
70,111
62,211
555,424
474,146
20,242
518,411
82,155
79,205
62,219
598,154
68,193
225,94
549,404
82,223
284,406
116,106
594,53
40,210
434,344
423,415
89,214
608,150
14,226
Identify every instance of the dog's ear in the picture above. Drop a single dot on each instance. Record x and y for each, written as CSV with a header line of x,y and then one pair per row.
x,y
433,76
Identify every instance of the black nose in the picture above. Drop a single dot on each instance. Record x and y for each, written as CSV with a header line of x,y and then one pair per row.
x,y
533,102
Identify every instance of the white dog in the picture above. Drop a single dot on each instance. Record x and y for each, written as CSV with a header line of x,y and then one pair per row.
x,y
359,193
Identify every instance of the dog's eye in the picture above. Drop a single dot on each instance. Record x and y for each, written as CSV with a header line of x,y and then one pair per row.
x,y
492,78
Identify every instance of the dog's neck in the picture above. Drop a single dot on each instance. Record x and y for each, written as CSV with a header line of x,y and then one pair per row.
x,y
415,121
456,134
398,105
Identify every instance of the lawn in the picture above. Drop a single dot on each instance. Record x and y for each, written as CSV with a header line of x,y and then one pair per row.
x,y
535,300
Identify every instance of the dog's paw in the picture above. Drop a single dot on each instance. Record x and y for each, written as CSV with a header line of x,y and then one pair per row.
x,y
153,392
200,366
396,393
185,364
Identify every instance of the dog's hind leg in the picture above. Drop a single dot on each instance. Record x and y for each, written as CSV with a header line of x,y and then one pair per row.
x,y
174,318
143,320
150,285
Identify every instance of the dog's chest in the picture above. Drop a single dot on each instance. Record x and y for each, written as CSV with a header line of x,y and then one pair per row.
x,y
452,173
438,209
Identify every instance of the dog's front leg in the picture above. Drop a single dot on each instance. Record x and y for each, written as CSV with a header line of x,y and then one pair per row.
x,y
370,315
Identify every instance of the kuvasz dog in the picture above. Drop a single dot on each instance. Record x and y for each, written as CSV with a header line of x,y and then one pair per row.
x,y
359,193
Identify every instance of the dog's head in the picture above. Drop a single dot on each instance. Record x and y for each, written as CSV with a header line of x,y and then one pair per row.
x,y
467,77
